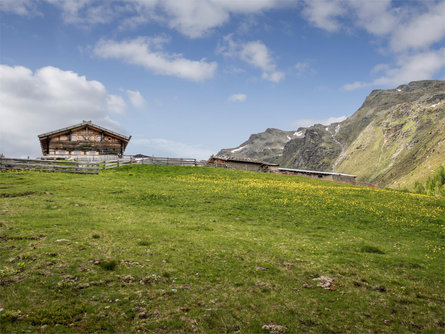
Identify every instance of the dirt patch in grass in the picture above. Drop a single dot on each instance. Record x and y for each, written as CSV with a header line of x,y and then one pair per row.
x,y
22,194
371,249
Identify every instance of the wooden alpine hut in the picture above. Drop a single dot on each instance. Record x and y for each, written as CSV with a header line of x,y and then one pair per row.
x,y
85,138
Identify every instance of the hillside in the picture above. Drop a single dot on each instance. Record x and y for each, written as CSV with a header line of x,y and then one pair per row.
x,y
402,134
195,249
395,138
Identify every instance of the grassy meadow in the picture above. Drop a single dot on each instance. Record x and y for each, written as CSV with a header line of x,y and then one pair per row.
x,y
183,249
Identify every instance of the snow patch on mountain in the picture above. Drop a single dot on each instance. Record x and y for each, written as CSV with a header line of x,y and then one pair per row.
x,y
238,149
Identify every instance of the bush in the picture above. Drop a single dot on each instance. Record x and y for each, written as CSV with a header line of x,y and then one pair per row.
x,y
108,265
419,188
434,185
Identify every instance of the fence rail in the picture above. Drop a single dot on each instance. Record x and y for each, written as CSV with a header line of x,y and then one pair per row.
x,y
115,163
168,161
80,167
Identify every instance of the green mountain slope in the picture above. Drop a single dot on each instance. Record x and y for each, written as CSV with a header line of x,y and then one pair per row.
x,y
400,145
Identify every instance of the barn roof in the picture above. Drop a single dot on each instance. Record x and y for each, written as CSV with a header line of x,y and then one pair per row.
x,y
243,160
314,172
90,124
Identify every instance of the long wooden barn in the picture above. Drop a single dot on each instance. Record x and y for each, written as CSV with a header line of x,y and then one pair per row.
x,y
245,164
85,138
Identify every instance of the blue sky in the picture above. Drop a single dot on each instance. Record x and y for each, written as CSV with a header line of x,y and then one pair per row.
x,y
187,78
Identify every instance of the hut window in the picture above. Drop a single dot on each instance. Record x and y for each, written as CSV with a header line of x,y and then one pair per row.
x,y
99,138
73,137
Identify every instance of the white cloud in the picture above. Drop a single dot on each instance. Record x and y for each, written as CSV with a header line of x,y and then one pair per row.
x,y
303,68
380,68
257,54
405,25
324,13
169,148
407,30
376,17
356,85
274,76
86,11
196,18
419,66
193,18
140,52
48,99
19,7
136,98
254,53
309,122
420,31
237,97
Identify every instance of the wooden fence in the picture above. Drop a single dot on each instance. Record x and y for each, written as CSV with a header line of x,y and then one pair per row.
x,y
89,167
168,161
114,163
81,167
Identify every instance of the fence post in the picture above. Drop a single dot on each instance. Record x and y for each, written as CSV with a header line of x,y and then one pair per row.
x,y
131,159
118,163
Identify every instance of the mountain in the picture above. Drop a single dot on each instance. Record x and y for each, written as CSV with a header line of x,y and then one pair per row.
x,y
395,138
265,146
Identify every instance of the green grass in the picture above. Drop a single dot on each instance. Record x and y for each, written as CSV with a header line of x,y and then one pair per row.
x,y
181,249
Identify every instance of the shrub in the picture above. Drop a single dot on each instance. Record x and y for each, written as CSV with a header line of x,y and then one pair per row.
x,y
434,185
419,188
108,265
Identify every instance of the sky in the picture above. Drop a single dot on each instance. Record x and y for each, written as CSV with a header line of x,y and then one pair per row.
x,y
186,78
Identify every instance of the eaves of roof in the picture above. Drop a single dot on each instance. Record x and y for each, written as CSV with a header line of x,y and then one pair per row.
x,y
90,124
245,161
314,172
